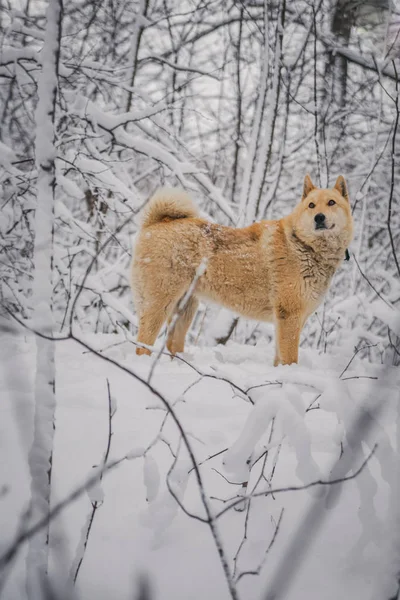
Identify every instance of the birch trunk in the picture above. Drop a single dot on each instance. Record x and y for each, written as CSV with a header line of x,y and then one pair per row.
x,y
265,149
256,128
40,456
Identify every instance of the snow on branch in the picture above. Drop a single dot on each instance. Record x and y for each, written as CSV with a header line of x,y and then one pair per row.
x,y
113,124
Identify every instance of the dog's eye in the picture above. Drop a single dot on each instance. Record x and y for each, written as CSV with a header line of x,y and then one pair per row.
x,y
331,202
311,205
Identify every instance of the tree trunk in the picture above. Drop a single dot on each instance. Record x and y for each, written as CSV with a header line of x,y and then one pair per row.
x,y
343,19
40,457
140,23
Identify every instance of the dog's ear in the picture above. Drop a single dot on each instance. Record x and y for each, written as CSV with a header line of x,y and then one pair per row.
x,y
341,187
308,186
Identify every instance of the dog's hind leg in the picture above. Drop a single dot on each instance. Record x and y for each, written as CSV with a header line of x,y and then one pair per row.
x,y
155,310
152,315
150,323
177,333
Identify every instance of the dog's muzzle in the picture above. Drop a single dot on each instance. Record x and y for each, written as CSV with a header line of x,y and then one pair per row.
x,y
320,221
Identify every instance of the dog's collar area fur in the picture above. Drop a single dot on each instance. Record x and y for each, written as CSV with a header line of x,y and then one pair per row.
x,y
310,248
301,243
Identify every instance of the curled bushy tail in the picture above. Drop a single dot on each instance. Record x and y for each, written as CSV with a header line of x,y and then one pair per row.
x,y
168,203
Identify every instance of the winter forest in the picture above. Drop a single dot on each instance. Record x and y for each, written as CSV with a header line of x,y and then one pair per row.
x,y
212,475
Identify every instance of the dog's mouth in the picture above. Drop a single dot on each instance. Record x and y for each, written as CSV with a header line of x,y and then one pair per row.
x,y
322,226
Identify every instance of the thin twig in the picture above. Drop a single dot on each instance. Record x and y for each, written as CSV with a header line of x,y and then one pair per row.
x,y
299,488
96,505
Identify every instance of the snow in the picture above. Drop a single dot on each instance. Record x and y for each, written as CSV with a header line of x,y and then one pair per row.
x,y
7,155
139,526
69,186
135,452
387,314
258,421
95,492
151,477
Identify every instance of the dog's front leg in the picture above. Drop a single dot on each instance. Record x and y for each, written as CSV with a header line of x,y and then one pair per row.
x,y
288,327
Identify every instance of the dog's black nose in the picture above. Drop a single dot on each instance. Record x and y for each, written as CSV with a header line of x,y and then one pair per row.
x,y
319,218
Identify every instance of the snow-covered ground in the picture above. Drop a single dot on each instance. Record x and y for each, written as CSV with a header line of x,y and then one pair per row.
x,y
139,527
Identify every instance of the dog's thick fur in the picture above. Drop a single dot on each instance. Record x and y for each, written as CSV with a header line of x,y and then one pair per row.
x,y
273,271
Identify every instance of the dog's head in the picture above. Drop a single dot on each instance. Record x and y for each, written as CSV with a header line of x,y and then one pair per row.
x,y
324,214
